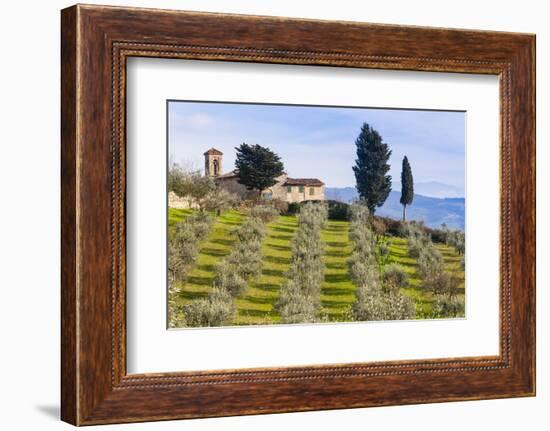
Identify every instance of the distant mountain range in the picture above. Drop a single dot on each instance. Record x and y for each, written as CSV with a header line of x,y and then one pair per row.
x,y
436,189
434,211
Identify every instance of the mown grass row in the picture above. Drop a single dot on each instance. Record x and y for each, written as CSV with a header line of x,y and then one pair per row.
x,y
257,304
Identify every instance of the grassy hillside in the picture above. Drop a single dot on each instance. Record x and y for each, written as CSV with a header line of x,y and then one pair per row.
x,y
256,305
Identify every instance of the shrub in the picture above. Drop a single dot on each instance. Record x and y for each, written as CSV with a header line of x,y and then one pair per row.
x,y
363,272
299,300
379,226
373,304
293,208
246,258
417,239
201,229
228,277
414,247
264,212
438,283
220,200
394,227
231,275
438,235
176,314
183,245
362,237
280,205
448,306
297,306
252,230
384,248
431,269
429,261
360,214
338,210
181,256
455,238
394,277
313,214
216,310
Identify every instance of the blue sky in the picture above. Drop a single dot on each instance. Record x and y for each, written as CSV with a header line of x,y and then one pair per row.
x,y
319,142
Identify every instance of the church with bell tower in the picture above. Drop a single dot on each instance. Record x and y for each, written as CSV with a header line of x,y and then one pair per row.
x,y
286,189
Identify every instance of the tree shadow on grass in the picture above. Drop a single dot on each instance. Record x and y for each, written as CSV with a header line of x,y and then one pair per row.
x,y
253,313
335,229
332,303
215,252
336,265
280,247
230,222
262,300
223,241
335,316
268,287
283,229
277,259
339,244
285,223
337,253
334,291
206,267
273,272
281,237
336,278
188,295
201,281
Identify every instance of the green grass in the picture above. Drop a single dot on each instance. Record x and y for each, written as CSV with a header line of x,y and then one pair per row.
x,y
176,215
257,304
216,246
422,298
338,291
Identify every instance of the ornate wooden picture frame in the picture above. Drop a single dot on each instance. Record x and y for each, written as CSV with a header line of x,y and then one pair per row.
x,y
96,41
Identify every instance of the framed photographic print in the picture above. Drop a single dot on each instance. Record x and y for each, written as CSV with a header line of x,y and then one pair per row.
x,y
267,215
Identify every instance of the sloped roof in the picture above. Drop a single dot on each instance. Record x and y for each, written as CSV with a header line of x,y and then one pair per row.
x,y
213,151
303,182
231,174
315,182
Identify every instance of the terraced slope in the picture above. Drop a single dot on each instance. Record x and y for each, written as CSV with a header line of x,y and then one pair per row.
x,y
257,304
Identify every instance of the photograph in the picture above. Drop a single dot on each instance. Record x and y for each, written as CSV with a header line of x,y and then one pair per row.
x,y
298,214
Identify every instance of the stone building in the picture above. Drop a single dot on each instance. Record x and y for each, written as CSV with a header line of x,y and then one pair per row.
x,y
213,162
286,189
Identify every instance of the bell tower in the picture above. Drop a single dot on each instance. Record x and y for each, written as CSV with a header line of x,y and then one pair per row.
x,y
213,163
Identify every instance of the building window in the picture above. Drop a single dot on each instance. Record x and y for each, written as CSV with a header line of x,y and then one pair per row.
x,y
289,189
301,189
267,196
216,168
311,191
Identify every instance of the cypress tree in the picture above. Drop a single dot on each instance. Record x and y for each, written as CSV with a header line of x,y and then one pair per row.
x,y
371,168
407,187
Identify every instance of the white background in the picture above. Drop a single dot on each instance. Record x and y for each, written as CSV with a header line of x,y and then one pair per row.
x,y
153,349
29,228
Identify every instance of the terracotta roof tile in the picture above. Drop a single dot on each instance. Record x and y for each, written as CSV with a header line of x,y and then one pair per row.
x,y
213,151
303,182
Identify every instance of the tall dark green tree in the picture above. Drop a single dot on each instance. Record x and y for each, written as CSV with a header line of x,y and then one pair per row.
x,y
407,186
257,167
371,168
